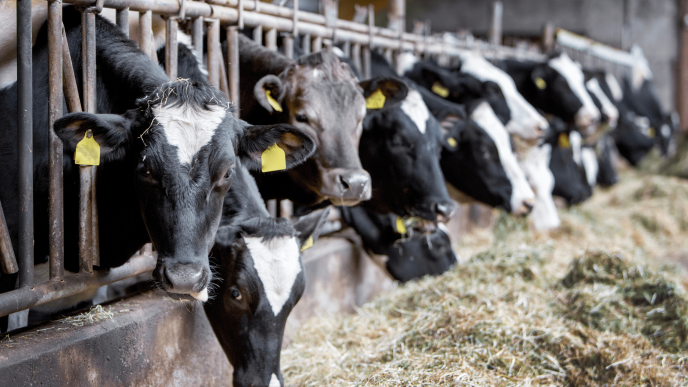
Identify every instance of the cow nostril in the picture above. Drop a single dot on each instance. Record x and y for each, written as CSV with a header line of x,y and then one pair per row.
x,y
528,205
345,184
443,209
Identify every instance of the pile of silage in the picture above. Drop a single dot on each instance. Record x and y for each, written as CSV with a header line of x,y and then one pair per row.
x,y
588,304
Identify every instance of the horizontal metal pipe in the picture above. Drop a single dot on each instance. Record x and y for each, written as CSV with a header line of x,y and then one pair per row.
x,y
25,298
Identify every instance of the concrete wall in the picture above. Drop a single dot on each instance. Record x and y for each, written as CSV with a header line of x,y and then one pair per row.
x,y
652,24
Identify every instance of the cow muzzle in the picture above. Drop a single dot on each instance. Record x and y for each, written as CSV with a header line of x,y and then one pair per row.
x,y
346,187
185,278
525,208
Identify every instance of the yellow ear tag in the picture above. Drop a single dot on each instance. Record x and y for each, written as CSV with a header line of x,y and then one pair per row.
x,y
376,100
275,105
440,90
564,140
307,244
401,227
451,142
540,83
273,159
87,150
651,133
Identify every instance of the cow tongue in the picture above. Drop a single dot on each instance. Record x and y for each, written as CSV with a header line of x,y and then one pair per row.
x,y
200,296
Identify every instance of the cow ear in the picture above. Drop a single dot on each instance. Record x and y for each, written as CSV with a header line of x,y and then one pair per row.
x,y
296,145
111,132
309,227
269,93
393,88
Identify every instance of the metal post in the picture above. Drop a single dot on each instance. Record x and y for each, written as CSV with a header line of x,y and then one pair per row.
x,y
214,52
224,85
271,39
197,36
258,34
25,143
496,31
682,73
8,262
306,44
347,49
295,18
548,37
55,195
122,17
366,63
171,48
317,44
71,91
356,55
397,15
233,61
145,33
288,44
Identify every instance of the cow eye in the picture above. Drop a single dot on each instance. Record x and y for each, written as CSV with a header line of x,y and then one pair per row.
x,y
236,294
301,118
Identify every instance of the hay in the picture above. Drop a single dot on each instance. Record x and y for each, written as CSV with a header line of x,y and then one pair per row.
x,y
588,304
95,314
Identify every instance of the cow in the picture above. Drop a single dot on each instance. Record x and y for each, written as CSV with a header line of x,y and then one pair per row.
x,y
554,87
319,95
168,151
260,278
566,163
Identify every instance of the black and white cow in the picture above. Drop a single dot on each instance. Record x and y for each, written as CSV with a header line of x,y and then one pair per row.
x,y
260,278
555,87
571,180
168,152
605,148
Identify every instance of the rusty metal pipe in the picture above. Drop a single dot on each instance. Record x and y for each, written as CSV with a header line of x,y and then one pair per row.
x,y
197,36
122,18
317,44
8,262
233,64
70,89
224,85
55,193
145,35
25,143
214,52
171,48
26,298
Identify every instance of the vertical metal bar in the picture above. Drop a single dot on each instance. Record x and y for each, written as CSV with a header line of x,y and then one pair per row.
x,y
288,44
25,142
171,48
286,209
317,44
295,18
240,8
214,52
347,49
197,36
496,31
356,55
8,261
258,34
71,91
122,17
55,196
271,39
306,44
145,35
396,15
366,62
233,60
87,242
224,85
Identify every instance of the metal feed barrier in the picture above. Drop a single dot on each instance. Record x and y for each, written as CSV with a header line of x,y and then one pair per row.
x,y
315,31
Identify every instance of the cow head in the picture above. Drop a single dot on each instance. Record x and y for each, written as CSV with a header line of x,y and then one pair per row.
x,y
535,165
319,95
179,147
566,164
261,279
525,121
634,137
640,97
606,161
400,147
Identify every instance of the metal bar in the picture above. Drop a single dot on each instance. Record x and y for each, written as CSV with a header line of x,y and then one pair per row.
x,y
87,242
145,38
224,85
258,34
197,36
71,91
233,61
317,44
295,18
25,143
214,52
288,45
122,18
25,298
8,261
347,49
496,31
306,44
366,62
55,195
271,39
240,8
356,55
171,48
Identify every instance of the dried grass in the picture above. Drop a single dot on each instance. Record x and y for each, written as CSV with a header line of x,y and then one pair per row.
x,y
95,314
588,304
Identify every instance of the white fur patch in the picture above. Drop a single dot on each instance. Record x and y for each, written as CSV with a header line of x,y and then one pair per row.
x,y
405,62
485,117
614,87
575,78
590,164
274,382
277,263
576,141
666,130
338,51
415,109
525,120
536,168
185,39
607,106
187,128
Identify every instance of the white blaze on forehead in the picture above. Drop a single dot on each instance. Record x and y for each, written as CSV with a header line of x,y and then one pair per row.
x,y
590,165
188,128
185,39
576,141
607,106
614,87
415,109
575,78
274,382
405,62
536,168
277,263
485,117
525,120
